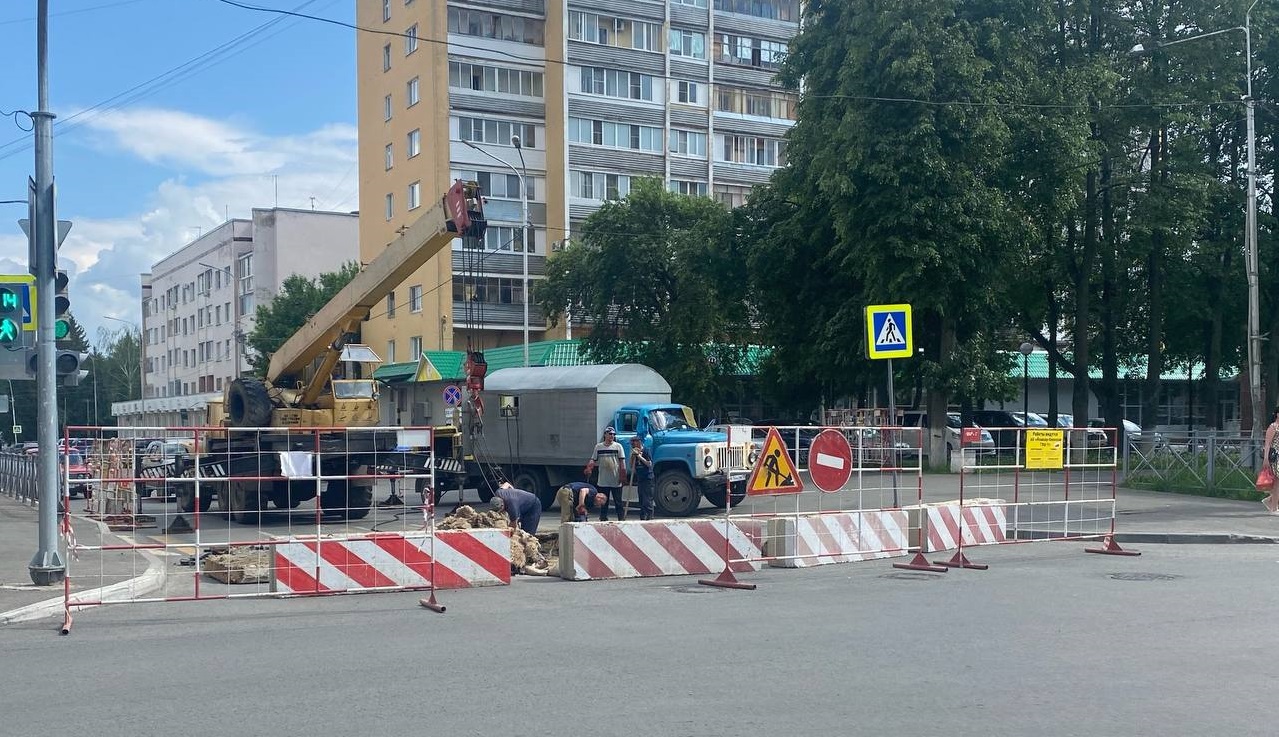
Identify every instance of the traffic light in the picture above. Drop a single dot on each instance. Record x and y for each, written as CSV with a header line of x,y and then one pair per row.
x,y
10,316
67,365
61,305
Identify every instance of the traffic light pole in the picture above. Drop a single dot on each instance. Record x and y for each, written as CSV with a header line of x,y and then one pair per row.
x,y
47,567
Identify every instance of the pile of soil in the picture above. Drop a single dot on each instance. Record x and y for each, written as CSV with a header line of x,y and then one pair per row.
x,y
533,555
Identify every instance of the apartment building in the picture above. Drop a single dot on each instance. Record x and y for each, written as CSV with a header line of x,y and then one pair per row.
x,y
198,304
599,92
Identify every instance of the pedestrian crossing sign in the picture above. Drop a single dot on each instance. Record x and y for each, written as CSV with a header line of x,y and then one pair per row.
x,y
774,472
888,331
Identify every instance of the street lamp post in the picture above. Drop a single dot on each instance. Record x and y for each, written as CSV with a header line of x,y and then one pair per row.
x,y
1250,219
1025,349
515,141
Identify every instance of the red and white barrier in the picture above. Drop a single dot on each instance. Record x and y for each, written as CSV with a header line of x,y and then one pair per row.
x,y
590,550
975,523
463,558
845,537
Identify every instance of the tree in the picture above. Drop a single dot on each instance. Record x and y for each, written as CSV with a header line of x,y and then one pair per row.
x,y
298,300
650,273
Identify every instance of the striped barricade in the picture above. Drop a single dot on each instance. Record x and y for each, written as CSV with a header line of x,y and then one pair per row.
x,y
591,550
845,537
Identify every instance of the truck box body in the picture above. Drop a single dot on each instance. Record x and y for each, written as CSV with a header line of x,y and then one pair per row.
x,y
561,410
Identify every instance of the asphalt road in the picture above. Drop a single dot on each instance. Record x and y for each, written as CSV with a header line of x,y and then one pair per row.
x,y
1049,641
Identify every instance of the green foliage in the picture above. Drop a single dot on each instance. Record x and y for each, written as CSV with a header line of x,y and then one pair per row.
x,y
298,300
653,274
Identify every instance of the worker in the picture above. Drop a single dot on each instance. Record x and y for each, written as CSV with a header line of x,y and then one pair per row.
x,y
642,476
576,498
522,507
610,457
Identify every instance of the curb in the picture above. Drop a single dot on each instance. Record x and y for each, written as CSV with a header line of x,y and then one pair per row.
x,y
1161,538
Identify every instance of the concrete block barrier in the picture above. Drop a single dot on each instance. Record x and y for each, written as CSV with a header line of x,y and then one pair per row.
x,y
595,550
802,541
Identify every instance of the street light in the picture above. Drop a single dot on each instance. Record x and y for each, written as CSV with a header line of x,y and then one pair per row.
x,y
142,368
1250,222
515,141
235,313
1025,349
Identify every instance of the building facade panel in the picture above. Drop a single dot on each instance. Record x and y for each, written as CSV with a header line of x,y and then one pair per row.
x,y
493,105
689,168
598,108
735,173
688,117
748,25
598,158
639,9
690,69
534,7
756,126
688,16
748,76
612,57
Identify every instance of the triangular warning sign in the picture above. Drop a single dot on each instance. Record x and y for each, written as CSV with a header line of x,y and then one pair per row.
x,y
426,370
774,472
889,333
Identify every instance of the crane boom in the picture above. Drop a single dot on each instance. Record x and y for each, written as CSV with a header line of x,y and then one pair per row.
x,y
460,212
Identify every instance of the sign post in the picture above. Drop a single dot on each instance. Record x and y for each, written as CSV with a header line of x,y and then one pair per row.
x,y
889,336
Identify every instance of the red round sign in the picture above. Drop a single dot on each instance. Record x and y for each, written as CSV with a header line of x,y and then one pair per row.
x,y
830,460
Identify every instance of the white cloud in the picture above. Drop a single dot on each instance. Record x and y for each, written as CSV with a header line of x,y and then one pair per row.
x,y
227,170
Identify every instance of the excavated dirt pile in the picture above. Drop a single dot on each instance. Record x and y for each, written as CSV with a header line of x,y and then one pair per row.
x,y
533,555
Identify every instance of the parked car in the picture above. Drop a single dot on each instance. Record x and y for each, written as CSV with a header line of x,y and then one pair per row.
x,y
1132,431
1004,426
1096,438
796,437
162,459
954,430
72,467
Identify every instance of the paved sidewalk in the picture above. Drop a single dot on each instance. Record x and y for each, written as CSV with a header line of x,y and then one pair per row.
x,y
22,600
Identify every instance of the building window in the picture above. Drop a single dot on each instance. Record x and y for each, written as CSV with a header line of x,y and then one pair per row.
x,y
415,346
610,31
415,298
732,195
690,3
693,189
415,142
688,92
687,43
496,184
496,132
415,195
390,351
491,290
390,304
506,238
412,92
386,108
390,205
389,159
616,83
749,52
787,10
486,24
480,78
615,135
410,40
753,150
386,10
598,186
758,103
386,58
688,143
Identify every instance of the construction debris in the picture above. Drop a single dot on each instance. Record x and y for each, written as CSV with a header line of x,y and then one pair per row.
x,y
241,565
532,555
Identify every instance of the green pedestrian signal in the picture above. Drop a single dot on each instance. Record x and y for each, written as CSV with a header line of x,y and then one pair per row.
x,y
10,331
10,317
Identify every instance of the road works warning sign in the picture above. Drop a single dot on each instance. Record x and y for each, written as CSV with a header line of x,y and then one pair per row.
x,y
774,472
1043,449
888,331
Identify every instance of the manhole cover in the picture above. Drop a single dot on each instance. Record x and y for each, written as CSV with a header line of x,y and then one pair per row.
x,y
1142,576
912,576
696,589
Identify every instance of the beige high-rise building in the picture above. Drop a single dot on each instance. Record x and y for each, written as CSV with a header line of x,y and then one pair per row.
x,y
598,92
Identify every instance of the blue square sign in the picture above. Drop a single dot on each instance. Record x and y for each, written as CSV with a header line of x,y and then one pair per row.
x,y
888,331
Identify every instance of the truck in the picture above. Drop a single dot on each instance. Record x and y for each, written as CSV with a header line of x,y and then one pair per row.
x,y
315,380
549,418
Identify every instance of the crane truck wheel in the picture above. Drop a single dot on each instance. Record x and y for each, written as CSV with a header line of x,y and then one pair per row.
x,y
248,404
241,501
186,499
677,495
534,482
716,495
344,500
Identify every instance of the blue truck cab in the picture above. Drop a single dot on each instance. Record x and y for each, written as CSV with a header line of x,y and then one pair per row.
x,y
688,463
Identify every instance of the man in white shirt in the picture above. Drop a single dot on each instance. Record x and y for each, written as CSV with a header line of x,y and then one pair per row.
x,y
610,458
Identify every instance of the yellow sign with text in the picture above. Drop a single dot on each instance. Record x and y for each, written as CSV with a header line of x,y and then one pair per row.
x,y
1043,449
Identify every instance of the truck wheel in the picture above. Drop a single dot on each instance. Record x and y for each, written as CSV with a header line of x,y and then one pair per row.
x,y
281,497
677,494
534,481
344,500
241,502
186,499
248,404
716,495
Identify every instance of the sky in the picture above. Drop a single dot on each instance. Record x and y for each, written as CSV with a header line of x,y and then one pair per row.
x,y
171,116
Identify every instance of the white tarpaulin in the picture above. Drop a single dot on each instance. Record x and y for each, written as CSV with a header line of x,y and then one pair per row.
x,y
296,464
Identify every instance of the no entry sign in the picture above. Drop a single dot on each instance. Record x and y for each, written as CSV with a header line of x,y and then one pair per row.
x,y
830,460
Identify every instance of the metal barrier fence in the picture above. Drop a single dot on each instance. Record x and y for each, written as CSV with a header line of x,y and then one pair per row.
x,y
851,509
1207,459
297,514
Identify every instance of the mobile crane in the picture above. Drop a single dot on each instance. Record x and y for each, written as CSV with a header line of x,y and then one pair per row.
x,y
305,388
